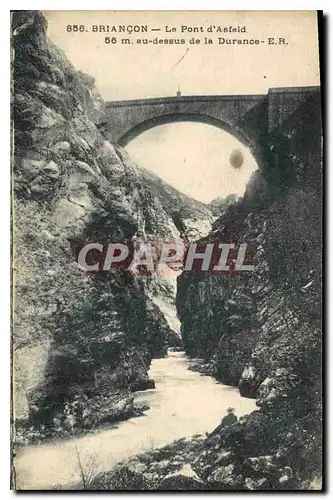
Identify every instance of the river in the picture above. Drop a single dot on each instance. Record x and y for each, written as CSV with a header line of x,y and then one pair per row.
x,y
183,404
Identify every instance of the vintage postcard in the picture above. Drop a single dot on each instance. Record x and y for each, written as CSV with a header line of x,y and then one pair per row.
x,y
167,250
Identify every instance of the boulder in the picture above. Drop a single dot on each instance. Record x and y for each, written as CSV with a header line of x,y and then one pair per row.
x,y
258,483
49,118
184,479
206,471
223,458
286,478
143,385
225,478
122,477
261,465
137,466
32,166
61,148
52,170
39,187
249,381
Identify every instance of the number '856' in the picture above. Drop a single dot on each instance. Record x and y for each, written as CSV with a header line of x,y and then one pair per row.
x,y
75,27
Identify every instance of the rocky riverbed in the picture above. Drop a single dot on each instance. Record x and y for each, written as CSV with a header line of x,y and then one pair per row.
x,y
182,404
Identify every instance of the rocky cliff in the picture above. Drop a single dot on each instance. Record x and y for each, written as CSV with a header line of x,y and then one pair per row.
x,y
261,330
192,218
82,342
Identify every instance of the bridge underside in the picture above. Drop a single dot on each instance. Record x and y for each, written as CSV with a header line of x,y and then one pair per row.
x,y
180,117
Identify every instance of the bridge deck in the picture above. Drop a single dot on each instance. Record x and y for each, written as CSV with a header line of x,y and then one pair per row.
x,y
193,98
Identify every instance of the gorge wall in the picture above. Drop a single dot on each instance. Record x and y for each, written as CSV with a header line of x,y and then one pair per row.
x,y
259,330
262,330
82,342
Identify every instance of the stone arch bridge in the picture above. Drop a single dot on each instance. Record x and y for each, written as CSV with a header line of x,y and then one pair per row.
x,y
250,118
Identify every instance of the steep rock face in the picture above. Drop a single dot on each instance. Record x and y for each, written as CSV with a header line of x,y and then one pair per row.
x,y
82,342
262,330
192,218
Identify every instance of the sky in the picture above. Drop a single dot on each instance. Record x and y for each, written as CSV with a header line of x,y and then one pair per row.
x,y
137,71
194,158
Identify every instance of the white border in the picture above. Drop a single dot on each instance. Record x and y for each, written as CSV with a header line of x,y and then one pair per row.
x,y
5,175
171,5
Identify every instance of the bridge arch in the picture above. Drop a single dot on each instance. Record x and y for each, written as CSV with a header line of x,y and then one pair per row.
x,y
175,117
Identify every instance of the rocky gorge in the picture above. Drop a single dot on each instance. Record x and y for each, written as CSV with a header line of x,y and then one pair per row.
x,y
262,332
83,343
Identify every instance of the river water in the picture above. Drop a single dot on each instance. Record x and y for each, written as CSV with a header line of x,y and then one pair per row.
x,y
183,404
